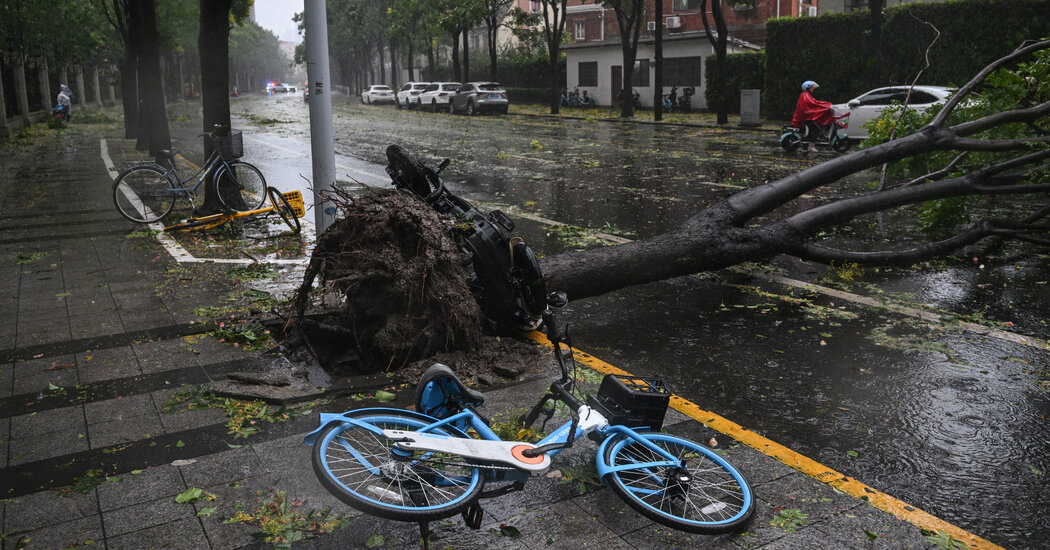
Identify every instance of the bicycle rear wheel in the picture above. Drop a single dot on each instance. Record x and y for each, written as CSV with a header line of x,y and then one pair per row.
x,y
704,494
363,469
144,194
284,210
241,188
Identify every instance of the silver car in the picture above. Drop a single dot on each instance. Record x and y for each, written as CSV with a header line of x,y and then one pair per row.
x,y
869,106
477,97
435,97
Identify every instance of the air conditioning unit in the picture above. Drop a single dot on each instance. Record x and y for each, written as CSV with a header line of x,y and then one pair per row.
x,y
811,11
650,26
674,22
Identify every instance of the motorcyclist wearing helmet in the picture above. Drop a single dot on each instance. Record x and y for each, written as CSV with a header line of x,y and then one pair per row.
x,y
811,113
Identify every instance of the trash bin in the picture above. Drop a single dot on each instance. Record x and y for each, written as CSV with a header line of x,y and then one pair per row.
x,y
749,104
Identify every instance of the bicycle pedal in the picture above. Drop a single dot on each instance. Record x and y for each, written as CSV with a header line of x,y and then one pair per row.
x,y
473,515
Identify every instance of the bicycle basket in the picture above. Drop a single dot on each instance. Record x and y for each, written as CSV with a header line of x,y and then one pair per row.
x,y
231,146
295,200
631,401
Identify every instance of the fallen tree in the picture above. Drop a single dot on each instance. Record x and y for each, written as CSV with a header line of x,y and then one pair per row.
x,y
400,278
996,145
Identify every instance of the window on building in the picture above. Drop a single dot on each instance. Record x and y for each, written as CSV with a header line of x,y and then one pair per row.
x,y
588,73
640,78
683,71
581,31
684,5
535,5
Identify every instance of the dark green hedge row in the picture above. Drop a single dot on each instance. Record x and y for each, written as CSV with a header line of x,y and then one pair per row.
x,y
746,71
528,95
835,50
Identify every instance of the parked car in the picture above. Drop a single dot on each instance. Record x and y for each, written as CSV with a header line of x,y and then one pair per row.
x,y
869,106
478,97
408,95
377,93
436,95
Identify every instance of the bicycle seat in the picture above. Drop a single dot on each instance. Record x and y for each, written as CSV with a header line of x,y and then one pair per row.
x,y
440,393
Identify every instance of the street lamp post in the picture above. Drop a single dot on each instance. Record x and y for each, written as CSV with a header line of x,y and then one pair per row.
x,y
321,143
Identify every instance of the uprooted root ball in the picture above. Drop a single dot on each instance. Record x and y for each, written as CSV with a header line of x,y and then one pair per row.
x,y
401,282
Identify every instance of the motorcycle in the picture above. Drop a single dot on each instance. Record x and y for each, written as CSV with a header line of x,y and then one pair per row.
x,y
820,136
507,281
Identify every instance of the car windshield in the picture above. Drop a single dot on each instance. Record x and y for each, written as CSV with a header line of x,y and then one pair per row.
x,y
449,87
490,87
419,87
381,88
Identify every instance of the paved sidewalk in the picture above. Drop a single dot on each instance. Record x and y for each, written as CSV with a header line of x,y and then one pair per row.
x,y
99,327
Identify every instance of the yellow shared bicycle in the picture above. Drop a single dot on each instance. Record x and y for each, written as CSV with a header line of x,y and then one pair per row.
x,y
289,206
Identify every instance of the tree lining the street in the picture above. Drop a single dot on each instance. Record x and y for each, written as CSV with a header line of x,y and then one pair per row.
x,y
1002,134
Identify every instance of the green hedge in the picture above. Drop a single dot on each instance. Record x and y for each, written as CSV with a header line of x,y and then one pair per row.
x,y
834,49
746,71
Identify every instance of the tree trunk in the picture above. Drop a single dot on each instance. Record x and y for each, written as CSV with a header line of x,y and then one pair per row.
x,y
382,60
214,49
493,29
431,64
456,68
153,114
411,61
466,55
128,67
20,88
658,52
394,76
46,97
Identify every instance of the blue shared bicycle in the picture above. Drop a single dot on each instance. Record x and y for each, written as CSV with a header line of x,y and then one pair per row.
x,y
421,466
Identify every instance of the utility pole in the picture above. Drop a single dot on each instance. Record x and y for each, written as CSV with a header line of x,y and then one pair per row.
x,y
320,84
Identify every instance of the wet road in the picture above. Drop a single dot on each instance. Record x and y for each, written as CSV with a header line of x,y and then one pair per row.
x,y
946,419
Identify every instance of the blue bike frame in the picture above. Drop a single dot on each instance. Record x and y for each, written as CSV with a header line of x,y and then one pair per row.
x,y
604,432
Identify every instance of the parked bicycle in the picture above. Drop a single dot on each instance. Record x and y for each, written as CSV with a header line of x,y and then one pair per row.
x,y
145,193
422,466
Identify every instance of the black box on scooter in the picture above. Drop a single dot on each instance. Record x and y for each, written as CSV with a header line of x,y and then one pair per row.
x,y
632,401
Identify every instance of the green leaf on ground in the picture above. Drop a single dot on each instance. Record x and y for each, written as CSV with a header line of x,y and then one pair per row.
x,y
205,512
375,541
385,396
189,495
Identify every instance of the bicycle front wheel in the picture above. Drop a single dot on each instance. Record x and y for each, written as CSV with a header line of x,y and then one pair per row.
x,y
241,188
703,494
365,470
144,194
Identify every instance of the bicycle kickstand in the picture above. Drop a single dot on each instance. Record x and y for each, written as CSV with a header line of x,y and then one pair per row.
x,y
424,534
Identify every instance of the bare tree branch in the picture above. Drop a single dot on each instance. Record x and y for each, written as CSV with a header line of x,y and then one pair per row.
x,y
937,174
998,119
998,145
969,87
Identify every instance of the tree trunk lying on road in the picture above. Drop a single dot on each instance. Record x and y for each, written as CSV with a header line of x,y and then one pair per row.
x,y
1013,160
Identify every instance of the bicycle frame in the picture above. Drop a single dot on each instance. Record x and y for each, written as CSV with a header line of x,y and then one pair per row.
x,y
591,422
214,162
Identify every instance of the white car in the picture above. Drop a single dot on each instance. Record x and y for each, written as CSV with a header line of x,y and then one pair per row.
x,y
377,94
435,96
409,93
870,105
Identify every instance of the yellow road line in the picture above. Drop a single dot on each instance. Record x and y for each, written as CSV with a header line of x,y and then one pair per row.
x,y
808,466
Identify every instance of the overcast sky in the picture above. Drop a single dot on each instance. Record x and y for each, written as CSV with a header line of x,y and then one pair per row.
x,y
276,15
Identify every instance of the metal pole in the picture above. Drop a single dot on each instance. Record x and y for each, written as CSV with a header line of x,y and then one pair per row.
x,y
320,84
